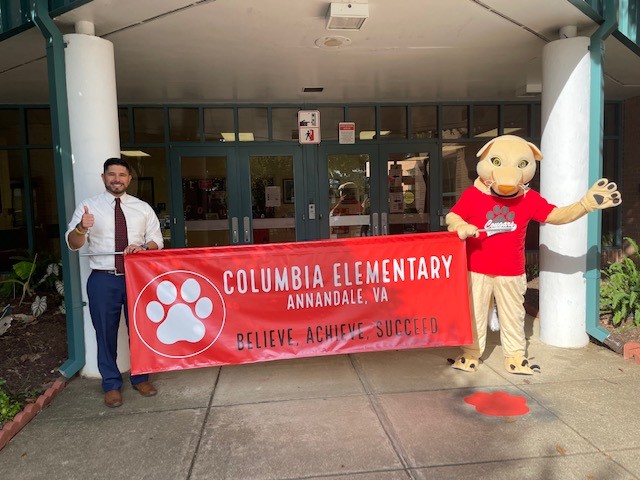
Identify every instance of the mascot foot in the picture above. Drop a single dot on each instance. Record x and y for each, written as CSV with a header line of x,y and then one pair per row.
x,y
466,364
519,365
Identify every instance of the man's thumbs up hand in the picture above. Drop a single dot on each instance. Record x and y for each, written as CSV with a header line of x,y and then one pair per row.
x,y
86,222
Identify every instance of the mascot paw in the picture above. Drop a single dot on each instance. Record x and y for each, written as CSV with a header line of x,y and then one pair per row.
x,y
466,231
603,194
520,366
466,364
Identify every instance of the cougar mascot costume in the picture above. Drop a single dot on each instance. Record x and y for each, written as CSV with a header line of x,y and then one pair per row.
x,y
492,215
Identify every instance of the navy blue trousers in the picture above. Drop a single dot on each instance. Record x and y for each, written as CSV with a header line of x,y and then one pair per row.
x,y
107,296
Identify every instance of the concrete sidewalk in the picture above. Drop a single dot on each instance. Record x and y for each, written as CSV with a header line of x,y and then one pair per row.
x,y
384,415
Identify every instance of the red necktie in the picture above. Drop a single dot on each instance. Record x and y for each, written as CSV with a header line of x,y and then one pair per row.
x,y
121,235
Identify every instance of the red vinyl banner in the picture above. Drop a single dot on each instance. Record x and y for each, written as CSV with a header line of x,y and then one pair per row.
x,y
197,307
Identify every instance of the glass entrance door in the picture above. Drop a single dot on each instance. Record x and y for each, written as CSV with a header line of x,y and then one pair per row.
x,y
349,183
380,190
204,187
410,193
234,196
273,179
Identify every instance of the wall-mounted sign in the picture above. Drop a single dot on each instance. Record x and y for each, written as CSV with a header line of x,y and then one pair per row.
x,y
346,132
308,126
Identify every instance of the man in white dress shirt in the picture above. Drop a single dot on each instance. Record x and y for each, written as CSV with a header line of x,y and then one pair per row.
x,y
94,223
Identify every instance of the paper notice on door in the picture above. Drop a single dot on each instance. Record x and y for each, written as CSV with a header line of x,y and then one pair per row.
x,y
273,197
395,202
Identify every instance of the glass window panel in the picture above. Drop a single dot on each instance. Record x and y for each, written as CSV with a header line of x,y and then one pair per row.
x,y
532,239
123,125
204,190
349,195
536,127
393,122
273,198
13,231
485,121
9,127
252,124
217,121
184,125
458,170
45,211
150,182
610,216
148,125
611,119
365,119
285,123
330,117
424,122
408,204
455,122
516,120
39,126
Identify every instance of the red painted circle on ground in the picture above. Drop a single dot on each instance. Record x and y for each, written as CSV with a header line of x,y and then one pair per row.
x,y
498,404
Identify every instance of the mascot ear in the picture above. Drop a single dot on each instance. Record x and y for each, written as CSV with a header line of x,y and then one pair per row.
x,y
537,154
485,146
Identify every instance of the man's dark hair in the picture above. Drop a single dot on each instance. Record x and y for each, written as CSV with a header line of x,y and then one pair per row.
x,y
116,161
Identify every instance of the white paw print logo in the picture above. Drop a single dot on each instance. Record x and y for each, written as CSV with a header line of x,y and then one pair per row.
x,y
183,321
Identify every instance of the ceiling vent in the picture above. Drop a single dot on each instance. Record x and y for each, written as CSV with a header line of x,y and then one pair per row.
x,y
529,90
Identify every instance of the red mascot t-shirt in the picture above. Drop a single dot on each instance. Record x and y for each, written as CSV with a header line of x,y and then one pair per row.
x,y
499,250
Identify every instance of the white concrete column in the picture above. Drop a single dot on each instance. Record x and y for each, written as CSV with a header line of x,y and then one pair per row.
x,y
563,179
93,122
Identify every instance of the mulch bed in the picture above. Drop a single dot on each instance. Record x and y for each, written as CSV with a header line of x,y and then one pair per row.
x,y
32,352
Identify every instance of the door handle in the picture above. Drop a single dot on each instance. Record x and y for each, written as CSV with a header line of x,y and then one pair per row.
x,y
385,223
247,235
374,222
234,230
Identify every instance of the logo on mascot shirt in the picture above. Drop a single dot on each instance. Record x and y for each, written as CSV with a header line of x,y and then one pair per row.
x,y
179,314
500,220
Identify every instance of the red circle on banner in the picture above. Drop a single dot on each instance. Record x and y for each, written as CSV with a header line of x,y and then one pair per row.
x,y
179,314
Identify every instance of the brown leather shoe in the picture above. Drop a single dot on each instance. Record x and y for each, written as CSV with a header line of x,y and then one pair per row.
x,y
146,389
113,398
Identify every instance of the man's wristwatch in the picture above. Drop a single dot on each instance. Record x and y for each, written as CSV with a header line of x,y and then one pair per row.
x,y
144,246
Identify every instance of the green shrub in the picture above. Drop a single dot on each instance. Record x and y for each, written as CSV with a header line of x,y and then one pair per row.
x,y
9,407
620,289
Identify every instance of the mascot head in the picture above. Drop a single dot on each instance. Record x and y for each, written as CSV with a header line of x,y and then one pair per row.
x,y
507,163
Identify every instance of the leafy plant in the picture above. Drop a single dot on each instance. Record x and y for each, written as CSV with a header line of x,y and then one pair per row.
x,y
620,290
9,407
24,271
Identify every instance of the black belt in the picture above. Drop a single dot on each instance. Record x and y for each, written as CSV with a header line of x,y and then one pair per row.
x,y
110,272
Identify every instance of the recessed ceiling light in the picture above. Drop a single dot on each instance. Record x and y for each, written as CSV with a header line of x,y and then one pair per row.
x,y
243,136
134,153
333,41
